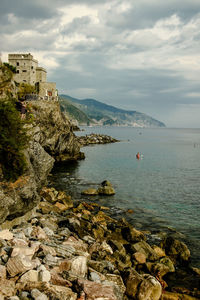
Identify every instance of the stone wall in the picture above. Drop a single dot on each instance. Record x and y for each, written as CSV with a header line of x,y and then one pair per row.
x,y
29,72
41,74
48,90
25,66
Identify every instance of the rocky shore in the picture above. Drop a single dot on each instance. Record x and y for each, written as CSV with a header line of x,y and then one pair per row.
x,y
93,138
67,250
52,247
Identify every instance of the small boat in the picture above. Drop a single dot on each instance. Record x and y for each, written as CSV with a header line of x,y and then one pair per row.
x,y
138,155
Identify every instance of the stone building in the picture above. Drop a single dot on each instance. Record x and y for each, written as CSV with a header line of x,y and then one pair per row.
x,y
28,71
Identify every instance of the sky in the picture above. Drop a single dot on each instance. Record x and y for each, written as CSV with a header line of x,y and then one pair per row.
x,y
139,55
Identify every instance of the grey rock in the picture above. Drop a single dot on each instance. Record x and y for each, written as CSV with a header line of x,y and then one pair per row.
x,y
50,260
48,231
24,295
37,295
44,276
28,231
94,277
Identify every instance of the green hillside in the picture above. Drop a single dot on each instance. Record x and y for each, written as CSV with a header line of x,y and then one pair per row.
x,y
102,114
73,112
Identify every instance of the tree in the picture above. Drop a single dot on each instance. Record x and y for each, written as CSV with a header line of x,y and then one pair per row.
x,y
10,67
24,89
13,140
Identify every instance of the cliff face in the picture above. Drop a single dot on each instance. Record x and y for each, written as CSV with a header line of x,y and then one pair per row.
x,y
52,139
54,131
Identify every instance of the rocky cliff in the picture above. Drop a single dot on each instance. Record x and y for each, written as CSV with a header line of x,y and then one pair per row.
x,y
51,139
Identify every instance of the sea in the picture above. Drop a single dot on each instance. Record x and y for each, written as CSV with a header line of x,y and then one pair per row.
x,y
159,193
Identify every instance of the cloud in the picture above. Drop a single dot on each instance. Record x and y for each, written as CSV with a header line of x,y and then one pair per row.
x,y
138,55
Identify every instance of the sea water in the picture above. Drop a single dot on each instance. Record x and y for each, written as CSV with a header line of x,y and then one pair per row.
x,y
162,188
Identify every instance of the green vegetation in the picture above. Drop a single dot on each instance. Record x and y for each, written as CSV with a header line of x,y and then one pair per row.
x,y
74,112
10,67
24,89
104,114
13,140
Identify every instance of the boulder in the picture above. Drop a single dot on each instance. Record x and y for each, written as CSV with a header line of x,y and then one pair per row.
x,y
2,272
77,244
117,281
49,194
7,288
31,275
27,251
150,288
79,266
106,183
146,249
90,191
6,235
163,266
139,257
132,235
37,295
160,252
132,282
142,287
57,279
47,207
44,276
94,290
38,233
18,265
106,190
176,250
61,207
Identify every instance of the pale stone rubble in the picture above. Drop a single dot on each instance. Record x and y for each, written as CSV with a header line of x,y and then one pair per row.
x,y
67,252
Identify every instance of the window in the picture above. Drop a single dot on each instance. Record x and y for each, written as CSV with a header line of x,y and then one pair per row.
x,y
24,80
17,63
32,67
17,71
24,71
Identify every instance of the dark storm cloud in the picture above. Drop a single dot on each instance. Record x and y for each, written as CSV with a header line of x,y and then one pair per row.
x,y
26,9
144,13
38,9
139,55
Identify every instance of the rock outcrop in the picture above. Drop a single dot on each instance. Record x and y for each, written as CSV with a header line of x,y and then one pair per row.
x,y
54,131
105,188
51,139
94,138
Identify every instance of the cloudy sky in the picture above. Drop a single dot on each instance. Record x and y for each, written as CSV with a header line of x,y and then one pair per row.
x,y
139,55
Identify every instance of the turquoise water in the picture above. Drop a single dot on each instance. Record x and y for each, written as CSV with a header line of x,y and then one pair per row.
x,y
162,188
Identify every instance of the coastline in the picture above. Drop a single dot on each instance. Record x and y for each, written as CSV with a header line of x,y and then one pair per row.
x,y
152,238
75,249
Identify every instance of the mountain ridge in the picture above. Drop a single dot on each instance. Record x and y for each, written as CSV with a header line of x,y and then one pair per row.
x,y
103,114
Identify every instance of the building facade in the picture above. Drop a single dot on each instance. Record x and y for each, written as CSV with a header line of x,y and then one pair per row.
x,y
28,71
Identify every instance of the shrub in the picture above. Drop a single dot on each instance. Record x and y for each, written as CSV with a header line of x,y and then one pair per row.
x,y
10,67
13,140
24,89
